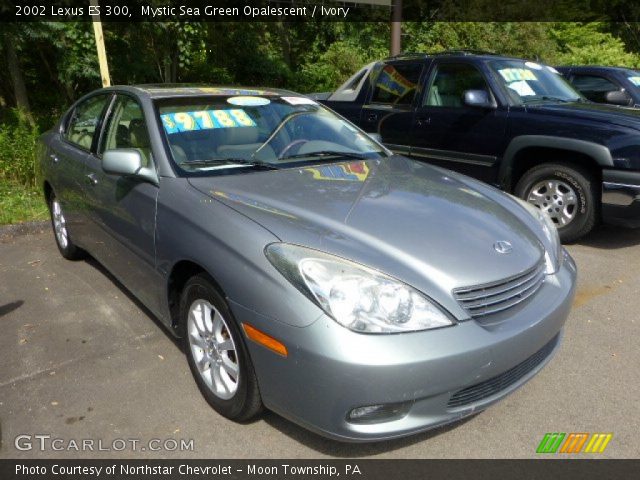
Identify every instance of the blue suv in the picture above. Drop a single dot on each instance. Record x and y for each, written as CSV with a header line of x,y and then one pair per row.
x,y
511,122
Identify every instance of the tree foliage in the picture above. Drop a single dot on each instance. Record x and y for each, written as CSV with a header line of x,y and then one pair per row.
x,y
58,61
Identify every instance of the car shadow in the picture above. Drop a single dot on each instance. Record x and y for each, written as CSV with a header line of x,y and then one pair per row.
x,y
334,448
98,266
610,236
10,307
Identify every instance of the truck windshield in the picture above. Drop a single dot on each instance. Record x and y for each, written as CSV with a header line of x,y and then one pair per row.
x,y
233,134
633,76
529,82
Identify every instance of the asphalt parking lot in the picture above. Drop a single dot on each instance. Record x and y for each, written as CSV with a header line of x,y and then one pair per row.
x,y
80,359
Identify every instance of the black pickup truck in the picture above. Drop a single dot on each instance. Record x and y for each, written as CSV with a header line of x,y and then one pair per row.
x,y
514,123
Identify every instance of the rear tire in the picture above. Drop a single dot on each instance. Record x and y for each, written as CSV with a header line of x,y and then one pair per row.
x,y
216,352
567,193
67,248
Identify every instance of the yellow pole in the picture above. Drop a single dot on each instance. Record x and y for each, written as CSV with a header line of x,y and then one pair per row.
x,y
102,52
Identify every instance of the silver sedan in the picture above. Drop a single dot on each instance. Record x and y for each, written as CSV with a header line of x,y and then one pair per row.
x,y
307,269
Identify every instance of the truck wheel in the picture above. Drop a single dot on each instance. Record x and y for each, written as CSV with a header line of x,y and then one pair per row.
x,y
61,231
567,193
216,352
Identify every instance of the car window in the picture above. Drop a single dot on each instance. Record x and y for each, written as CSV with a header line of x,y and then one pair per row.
x,y
594,87
127,129
397,84
84,121
450,82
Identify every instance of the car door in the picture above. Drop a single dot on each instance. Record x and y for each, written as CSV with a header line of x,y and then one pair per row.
x,y
449,133
389,112
69,150
124,207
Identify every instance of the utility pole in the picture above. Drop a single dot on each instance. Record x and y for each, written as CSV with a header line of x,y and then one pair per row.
x,y
396,28
102,52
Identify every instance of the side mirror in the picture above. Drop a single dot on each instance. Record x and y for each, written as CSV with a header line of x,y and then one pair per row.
x,y
479,99
127,162
618,97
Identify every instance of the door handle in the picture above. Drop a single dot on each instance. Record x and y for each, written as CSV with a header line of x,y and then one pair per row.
x,y
54,158
92,179
420,121
372,117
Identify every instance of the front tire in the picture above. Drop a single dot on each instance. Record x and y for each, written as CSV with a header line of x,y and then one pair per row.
x,y
567,193
216,352
65,245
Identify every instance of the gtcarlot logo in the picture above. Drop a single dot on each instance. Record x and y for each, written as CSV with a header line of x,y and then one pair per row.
x,y
45,442
574,442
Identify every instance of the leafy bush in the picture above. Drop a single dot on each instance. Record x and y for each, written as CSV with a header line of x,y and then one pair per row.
x,y
17,150
591,44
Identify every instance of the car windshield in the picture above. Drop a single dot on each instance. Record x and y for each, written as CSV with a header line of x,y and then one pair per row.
x,y
529,82
234,134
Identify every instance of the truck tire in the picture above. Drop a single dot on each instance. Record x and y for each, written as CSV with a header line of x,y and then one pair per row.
x,y
567,193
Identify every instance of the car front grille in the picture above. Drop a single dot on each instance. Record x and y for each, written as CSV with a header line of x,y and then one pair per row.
x,y
482,300
500,382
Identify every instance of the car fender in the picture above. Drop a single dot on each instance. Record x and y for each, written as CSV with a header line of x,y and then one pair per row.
x,y
600,153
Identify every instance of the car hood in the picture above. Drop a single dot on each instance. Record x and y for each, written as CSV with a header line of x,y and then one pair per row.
x,y
623,116
423,225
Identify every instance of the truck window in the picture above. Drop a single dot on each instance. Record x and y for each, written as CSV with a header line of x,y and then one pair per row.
x,y
450,82
594,87
397,84
349,90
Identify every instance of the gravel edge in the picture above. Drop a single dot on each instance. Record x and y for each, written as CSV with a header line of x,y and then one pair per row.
x,y
25,228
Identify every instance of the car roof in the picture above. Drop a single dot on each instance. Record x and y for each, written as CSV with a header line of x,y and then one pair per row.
x,y
594,67
174,90
476,54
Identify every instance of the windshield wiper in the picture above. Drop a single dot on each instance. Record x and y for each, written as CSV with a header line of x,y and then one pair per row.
x,y
326,153
548,98
230,162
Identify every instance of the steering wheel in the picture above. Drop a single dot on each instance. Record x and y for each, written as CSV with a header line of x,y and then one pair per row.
x,y
299,143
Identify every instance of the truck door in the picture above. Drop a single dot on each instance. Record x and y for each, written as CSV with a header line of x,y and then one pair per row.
x,y
449,133
389,112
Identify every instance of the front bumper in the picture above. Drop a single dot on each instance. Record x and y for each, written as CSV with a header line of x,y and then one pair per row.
x,y
331,370
621,198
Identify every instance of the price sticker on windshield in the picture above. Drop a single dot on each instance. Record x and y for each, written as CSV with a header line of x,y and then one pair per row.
x,y
517,74
205,120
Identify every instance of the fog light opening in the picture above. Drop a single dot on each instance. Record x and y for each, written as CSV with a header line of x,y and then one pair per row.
x,y
379,413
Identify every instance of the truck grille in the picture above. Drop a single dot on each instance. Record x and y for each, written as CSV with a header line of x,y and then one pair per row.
x,y
498,383
481,300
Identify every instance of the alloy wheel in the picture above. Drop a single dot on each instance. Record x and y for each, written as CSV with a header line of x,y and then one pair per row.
x,y
59,224
213,349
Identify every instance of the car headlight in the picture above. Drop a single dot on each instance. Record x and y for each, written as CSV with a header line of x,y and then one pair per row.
x,y
357,297
553,254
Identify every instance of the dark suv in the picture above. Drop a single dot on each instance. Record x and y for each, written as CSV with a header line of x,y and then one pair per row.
x,y
514,123
613,85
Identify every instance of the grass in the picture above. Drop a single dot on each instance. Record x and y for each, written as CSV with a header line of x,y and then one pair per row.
x,y
20,204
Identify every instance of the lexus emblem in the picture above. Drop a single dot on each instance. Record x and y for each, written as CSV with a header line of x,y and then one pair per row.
x,y
502,246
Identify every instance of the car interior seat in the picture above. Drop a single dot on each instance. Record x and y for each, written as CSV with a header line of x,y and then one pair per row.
x,y
449,94
242,142
139,138
123,139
